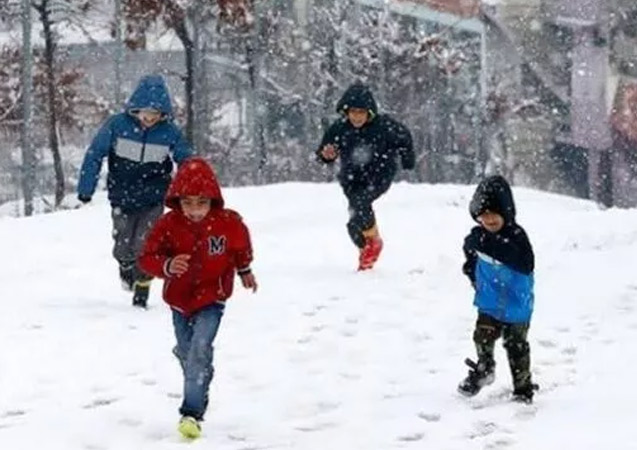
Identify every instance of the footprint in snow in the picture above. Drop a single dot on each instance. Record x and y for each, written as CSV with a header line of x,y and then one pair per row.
x,y
13,413
304,340
130,422
325,407
569,351
414,437
547,343
429,417
237,437
315,427
500,442
482,429
100,402
350,376
421,337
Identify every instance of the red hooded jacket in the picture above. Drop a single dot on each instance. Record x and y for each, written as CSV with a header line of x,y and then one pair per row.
x,y
219,244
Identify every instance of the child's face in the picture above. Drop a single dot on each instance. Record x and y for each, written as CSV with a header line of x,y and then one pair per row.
x,y
357,116
493,222
148,117
195,207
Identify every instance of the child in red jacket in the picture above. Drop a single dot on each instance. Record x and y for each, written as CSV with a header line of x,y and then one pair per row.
x,y
197,248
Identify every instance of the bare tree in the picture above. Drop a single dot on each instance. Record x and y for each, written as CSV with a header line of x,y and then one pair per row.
x,y
58,101
180,16
28,155
50,14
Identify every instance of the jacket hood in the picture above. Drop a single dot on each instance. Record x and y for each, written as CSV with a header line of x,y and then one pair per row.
x,y
493,194
358,95
194,177
151,92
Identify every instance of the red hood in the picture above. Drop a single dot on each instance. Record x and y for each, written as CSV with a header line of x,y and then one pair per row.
x,y
194,177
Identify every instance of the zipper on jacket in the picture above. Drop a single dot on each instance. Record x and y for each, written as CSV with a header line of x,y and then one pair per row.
x,y
502,300
144,137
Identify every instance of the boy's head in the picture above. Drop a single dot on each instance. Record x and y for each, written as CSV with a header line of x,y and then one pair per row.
x,y
195,207
357,116
148,117
194,191
151,96
358,105
493,197
491,221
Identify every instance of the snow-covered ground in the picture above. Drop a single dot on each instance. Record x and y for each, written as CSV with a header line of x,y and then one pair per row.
x,y
322,357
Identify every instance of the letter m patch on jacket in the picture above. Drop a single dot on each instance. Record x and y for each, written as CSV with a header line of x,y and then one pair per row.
x,y
217,245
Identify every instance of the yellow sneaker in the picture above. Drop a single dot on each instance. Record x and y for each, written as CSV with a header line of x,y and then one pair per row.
x,y
189,427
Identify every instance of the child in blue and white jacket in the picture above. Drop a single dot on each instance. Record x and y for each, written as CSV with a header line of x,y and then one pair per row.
x,y
500,264
141,143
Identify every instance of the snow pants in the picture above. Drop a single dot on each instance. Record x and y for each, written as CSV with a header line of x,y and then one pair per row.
x,y
514,335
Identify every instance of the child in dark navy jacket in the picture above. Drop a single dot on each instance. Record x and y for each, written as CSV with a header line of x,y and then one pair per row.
x,y
500,264
369,146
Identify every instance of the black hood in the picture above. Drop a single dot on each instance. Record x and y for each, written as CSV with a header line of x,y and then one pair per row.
x,y
493,194
357,95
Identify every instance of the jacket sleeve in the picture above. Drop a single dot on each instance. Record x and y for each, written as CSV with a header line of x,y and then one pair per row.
x,y
180,147
471,257
241,245
92,163
331,136
512,248
400,139
155,254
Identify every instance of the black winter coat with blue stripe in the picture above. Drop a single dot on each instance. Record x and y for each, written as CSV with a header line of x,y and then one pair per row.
x,y
140,160
500,265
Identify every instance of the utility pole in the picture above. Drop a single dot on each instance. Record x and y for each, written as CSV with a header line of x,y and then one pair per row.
x,y
200,93
119,53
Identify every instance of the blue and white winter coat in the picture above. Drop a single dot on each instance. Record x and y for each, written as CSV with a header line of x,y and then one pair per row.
x,y
139,159
500,265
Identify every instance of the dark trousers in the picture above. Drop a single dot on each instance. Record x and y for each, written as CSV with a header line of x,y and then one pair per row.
x,y
129,232
360,197
514,335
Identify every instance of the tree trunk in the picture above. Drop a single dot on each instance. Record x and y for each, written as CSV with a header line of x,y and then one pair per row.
x,y
28,157
187,42
256,107
49,50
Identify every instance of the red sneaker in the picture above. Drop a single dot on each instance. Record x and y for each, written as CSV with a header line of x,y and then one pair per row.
x,y
370,253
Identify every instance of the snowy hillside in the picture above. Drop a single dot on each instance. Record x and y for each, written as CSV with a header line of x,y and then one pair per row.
x,y
323,357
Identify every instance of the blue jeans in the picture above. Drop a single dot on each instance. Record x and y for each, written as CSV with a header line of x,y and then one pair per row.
x,y
194,350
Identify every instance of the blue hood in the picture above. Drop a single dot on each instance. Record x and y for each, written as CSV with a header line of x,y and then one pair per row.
x,y
151,92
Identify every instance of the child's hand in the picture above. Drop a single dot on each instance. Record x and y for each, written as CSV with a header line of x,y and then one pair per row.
x,y
179,264
249,281
329,152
